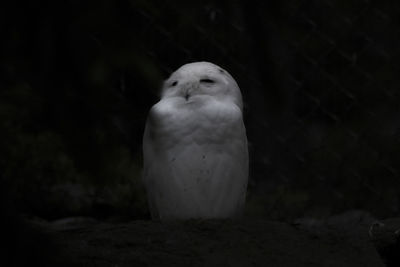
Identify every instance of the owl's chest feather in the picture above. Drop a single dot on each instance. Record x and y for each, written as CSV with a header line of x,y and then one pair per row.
x,y
198,122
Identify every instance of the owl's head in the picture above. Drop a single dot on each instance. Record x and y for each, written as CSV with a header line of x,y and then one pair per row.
x,y
202,79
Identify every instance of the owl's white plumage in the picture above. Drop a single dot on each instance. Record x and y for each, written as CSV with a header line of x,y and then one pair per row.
x,y
195,146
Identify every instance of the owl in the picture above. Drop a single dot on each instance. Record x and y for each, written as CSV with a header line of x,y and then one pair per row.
x,y
195,146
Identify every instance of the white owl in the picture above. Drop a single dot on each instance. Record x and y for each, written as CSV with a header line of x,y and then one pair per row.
x,y
195,146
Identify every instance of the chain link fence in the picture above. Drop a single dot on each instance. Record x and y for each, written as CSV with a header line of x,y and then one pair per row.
x,y
320,83
319,80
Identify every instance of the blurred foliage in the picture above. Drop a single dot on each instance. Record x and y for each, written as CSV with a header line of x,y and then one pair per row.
x,y
319,80
43,176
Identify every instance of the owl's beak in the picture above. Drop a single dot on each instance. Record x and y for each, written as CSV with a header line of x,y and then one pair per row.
x,y
187,93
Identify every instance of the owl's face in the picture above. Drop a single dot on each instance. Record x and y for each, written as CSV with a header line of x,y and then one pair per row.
x,y
202,79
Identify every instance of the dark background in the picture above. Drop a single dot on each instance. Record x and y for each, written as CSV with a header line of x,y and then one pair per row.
x,y
319,80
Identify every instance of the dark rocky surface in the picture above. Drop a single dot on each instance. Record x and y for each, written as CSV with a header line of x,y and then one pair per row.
x,y
386,237
250,242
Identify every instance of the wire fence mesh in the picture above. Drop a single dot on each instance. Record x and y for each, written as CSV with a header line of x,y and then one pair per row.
x,y
319,80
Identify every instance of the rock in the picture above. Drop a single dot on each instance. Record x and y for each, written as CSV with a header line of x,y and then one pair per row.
x,y
212,243
386,237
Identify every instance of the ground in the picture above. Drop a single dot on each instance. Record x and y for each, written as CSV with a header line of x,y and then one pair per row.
x,y
246,242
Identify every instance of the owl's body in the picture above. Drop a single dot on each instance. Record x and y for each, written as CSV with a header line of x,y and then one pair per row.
x,y
195,146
